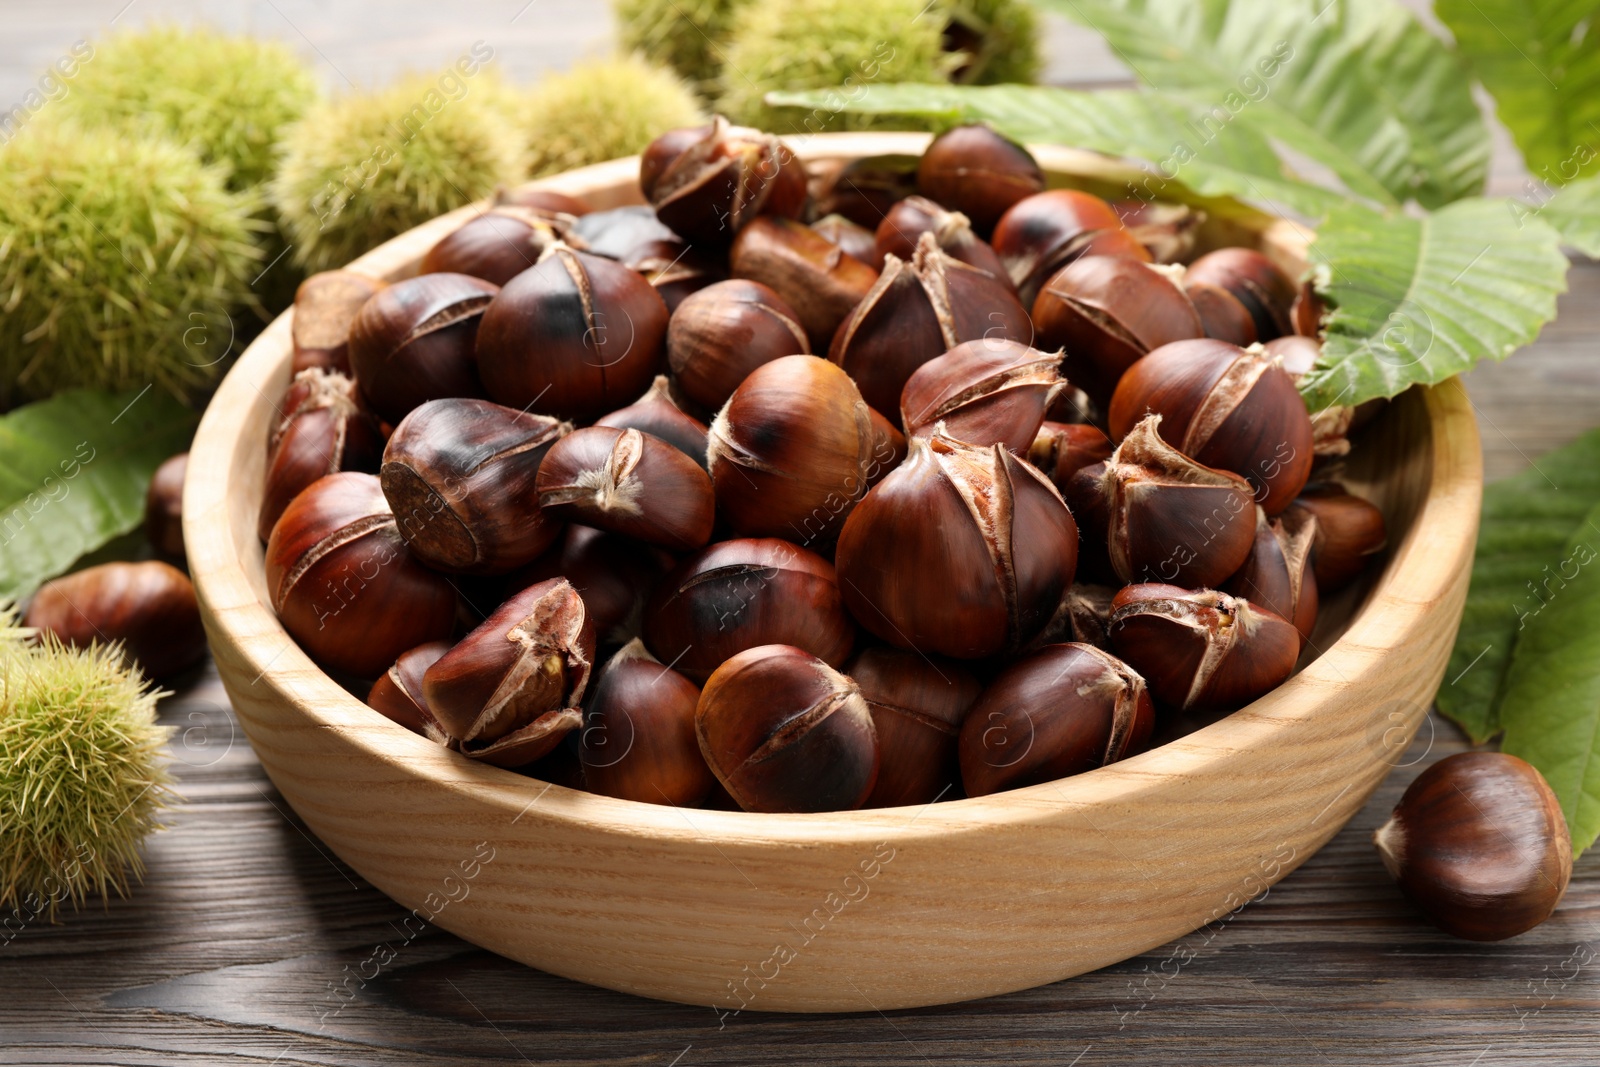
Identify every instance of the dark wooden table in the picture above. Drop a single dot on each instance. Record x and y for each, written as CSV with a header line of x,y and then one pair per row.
x,y
232,949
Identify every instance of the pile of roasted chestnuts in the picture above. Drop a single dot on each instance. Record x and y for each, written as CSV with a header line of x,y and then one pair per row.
x,y
803,491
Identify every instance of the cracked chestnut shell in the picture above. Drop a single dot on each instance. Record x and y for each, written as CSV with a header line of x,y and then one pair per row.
x,y
719,335
1277,574
709,182
917,311
792,451
1479,844
917,707
459,475
1060,711
1349,532
414,341
989,392
785,732
614,575
863,190
323,430
1266,292
577,336
976,171
902,229
819,281
657,413
148,607
856,240
1201,650
1107,312
509,691
738,594
1042,233
638,740
1227,407
497,245
630,483
397,694
1161,516
325,308
344,583
1221,313
1062,449
961,551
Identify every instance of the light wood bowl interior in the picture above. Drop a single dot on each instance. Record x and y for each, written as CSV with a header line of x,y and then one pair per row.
x,y
860,910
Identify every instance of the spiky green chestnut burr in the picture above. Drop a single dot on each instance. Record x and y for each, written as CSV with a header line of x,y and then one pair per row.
x,y
603,110
122,259
82,778
1000,38
359,170
687,35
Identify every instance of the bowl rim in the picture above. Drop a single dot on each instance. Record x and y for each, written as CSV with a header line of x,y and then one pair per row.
x,y
1415,574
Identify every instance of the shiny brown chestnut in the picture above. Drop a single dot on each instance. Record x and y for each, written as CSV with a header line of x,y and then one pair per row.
x,y
1479,844
1265,291
792,451
917,311
322,429
1277,574
1330,427
1221,314
719,335
397,694
614,575
815,277
989,392
510,690
738,594
345,585
708,182
978,172
902,228
325,308
576,336
1201,650
1226,407
413,342
1042,233
148,608
785,732
961,551
1062,449
629,483
1349,532
1168,231
1108,312
1060,711
459,476
917,707
856,240
497,245
163,507
638,740
657,413
863,190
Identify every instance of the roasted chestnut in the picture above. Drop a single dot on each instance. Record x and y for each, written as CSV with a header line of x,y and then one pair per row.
x,y
856,240
783,732
725,331
459,475
976,171
989,392
1266,292
708,182
902,228
815,277
1167,230
1062,710
576,336
497,245
638,740
1226,407
614,575
325,308
1277,574
337,568
321,430
1349,532
413,342
1201,650
1221,313
397,694
1062,449
961,551
509,691
863,190
739,594
917,706
1042,233
629,483
657,413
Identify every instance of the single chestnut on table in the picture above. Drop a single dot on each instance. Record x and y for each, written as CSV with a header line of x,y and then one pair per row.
x,y
978,172
719,335
337,568
814,276
576,336
148,607
709,182
1060,711
510,690
630,483
459,476
738,594
638,740
325,309
917,705
988,392
961,551
1201,650
322,430
414,341
1479,844
785,732
917,311
657,413
163,507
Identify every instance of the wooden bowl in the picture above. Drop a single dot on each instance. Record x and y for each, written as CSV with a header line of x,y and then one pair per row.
x,y
859,910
